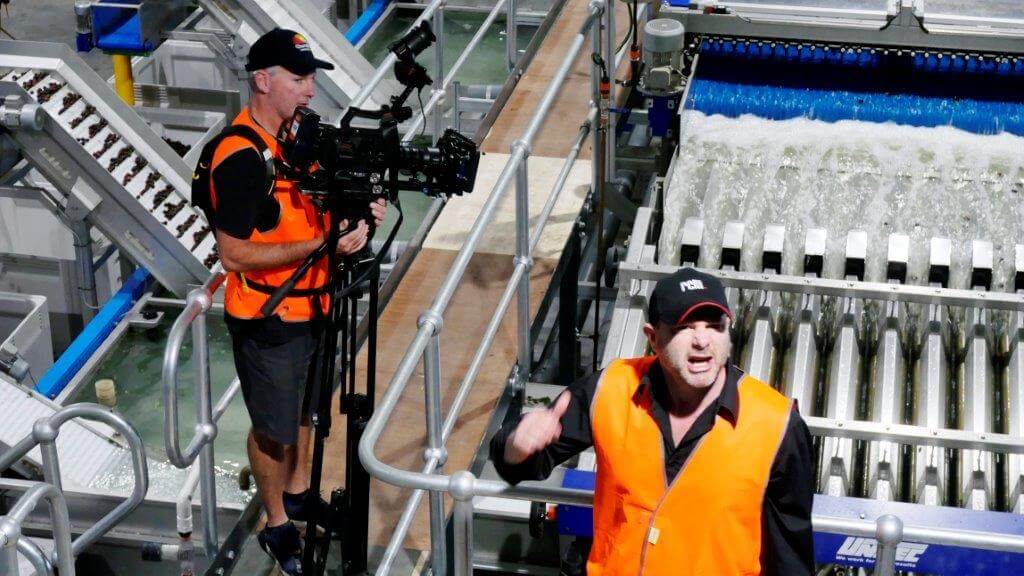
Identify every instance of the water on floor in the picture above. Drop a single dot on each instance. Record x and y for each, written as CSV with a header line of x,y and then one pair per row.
x,y
842,176
135,362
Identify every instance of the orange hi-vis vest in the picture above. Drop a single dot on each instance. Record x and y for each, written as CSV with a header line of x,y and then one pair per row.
x,y
299,221
708,521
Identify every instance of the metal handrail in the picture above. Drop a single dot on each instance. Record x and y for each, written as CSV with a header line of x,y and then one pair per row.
x,y
34,554
466,385
11,541
196,305
430,322
44,435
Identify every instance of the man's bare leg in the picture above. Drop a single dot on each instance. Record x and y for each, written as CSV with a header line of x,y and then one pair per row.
x,y
270,467
298,465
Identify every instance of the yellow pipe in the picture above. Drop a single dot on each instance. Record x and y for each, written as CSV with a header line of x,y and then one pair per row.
x,y
123,81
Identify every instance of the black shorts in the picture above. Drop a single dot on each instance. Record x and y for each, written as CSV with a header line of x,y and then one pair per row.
x,y
276,361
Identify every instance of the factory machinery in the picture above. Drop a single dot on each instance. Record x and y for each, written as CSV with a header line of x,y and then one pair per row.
x,y
903,353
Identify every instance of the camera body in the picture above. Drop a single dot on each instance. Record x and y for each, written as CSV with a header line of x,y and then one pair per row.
x,y
346,167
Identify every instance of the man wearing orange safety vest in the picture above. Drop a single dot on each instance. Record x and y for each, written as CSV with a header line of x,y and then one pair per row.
x,y
265,227
701,469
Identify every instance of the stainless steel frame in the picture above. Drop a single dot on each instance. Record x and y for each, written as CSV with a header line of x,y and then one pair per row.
x,y
44,435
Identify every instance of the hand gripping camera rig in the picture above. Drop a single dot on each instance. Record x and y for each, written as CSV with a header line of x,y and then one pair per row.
x,y
344,169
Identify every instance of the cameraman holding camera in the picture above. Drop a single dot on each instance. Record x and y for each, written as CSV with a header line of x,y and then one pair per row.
x,y
265,227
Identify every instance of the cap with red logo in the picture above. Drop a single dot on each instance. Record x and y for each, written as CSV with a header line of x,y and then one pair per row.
x,y
687,289
285,48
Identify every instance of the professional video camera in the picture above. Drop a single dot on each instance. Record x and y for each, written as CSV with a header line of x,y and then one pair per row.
x,y
348,166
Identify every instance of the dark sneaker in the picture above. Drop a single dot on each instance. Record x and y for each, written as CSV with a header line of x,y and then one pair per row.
x,y
296,508
284,545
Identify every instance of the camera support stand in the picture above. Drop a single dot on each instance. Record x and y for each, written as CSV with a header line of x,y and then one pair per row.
x,y
347,516
347,513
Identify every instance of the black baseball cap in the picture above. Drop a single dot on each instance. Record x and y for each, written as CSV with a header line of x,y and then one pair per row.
x,y
286,48
686,290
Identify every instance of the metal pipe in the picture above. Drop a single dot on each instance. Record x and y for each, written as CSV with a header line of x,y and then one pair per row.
x,y
435,450
599,177
611,61
437,95
629,271
184,500
917,435
82,234
523,258
389,60
511,42
35,556
888,533
10,527
204,416
463,527
198,302
44,434
405,521
458,268
439,68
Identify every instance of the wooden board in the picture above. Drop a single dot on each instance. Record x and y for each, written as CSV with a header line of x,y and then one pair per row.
x,y
569,110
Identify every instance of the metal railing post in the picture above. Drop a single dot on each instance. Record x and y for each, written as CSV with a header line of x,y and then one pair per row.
x,y
608,54
523,258
204,416
888,533
10,531
511,43
435,444
461,487
439,71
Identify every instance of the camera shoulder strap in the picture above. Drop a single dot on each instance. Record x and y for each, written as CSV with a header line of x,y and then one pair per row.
x,y
201,177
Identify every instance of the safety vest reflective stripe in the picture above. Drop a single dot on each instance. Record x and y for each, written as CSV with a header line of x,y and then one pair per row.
x,y
708,521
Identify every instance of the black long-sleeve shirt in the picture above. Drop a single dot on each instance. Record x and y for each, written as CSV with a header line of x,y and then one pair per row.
x,y
787,547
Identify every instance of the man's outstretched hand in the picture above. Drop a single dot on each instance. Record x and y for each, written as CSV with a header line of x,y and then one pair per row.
x,y
536,431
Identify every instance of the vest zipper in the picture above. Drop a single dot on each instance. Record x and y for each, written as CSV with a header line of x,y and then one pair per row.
x,y
654,514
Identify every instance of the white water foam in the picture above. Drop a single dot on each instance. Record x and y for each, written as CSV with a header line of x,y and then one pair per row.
x,y
881,178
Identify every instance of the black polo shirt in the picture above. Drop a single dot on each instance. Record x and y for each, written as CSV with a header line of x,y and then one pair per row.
x,y
787,547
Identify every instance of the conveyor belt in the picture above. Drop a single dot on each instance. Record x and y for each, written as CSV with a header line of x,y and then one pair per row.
x,y
103,157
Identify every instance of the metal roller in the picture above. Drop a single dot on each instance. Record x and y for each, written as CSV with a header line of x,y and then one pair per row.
x,y
931,386
844,378
760,354
800,368
888,383
977,390
1015,393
